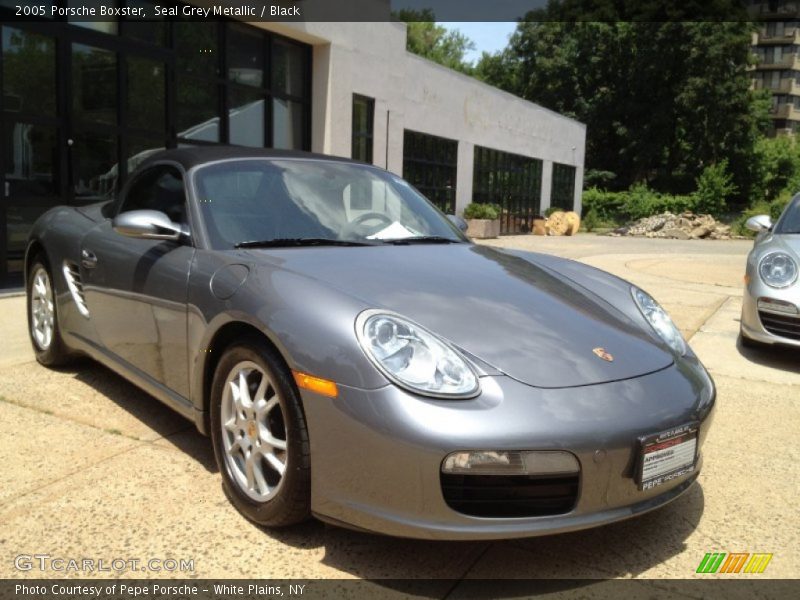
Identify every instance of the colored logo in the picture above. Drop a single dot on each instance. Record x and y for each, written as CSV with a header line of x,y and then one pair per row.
x,y
601,353
735,562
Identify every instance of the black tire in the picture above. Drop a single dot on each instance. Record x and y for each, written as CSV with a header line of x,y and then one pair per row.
x,y
291,501
55,353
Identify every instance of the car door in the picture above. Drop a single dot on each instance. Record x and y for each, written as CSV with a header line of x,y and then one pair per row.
x,y
136,288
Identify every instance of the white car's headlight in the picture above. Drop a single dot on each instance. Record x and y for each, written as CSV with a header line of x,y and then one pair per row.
x,y
778,270
659,320
413,357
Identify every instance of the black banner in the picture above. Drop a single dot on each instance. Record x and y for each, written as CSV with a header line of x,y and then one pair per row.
x,y
714,586
388,10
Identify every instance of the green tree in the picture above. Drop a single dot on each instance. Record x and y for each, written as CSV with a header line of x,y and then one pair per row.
x,y
662,99
714,187
435,42
777,164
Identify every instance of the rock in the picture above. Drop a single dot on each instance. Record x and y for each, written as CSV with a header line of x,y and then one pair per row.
x,y
676,234
685,226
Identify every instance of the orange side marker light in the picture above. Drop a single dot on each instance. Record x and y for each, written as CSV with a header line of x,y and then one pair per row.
x,y
316,384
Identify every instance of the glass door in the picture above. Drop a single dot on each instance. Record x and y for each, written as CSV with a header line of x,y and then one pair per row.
x,y
31,175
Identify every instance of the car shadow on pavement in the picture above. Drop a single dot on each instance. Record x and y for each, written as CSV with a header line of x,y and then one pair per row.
x,y
641,545
784,358
162,420
637,546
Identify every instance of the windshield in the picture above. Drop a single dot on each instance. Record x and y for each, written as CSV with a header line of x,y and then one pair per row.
x,y
790,220
257,200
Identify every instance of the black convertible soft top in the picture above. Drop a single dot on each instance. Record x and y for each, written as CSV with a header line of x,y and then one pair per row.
x,y
198,155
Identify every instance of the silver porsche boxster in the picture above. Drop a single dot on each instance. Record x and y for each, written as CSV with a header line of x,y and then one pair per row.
x,y
771,304
353,356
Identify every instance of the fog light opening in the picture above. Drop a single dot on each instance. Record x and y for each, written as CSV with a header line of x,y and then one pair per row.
x,y
777,306
510,462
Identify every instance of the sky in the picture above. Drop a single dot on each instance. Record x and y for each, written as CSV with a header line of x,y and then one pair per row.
x,y
488,37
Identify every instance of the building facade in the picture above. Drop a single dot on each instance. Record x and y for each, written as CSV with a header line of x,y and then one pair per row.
x,y
84,103
776,45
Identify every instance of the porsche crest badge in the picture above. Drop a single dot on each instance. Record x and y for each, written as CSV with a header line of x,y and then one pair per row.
x,y
602,353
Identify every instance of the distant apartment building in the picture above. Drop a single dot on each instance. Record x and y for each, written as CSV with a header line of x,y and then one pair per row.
x,y
776,45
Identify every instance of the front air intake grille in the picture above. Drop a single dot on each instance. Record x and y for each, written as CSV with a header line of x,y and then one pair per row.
x,y
507,496
73,276
781,325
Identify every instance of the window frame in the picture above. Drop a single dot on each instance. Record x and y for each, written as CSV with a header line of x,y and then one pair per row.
x,y
369,134
433,161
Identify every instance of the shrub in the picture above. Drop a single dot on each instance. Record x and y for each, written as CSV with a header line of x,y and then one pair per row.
x,y
777,166
477,210
772,208
590,220
640,202
714,187
608,206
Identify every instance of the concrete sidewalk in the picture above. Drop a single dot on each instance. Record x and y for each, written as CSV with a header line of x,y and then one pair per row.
x,y
95,468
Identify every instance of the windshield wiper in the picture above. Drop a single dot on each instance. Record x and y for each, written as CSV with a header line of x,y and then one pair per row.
x,y
289,242
421,239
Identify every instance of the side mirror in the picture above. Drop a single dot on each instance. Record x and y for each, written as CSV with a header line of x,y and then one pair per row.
x,y
147,224
458,222
759,224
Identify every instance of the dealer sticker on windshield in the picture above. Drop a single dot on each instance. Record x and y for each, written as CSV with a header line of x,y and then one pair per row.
x,y
667,455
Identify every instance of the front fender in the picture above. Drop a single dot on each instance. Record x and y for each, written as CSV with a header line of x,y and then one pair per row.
x,y
311,325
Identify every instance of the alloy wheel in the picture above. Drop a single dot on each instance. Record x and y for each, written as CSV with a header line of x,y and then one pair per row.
x,y
253,431
42,309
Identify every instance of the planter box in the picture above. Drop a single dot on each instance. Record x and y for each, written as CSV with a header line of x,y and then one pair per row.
x,y
482,229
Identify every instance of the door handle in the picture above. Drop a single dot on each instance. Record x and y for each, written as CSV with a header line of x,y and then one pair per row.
x,y
88,259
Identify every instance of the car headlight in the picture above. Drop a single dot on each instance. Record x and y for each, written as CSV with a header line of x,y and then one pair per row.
x,y
778,270
413,357
659,320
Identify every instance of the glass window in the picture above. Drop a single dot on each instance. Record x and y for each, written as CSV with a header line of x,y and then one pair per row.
x,y
153,31
287,124
562,190
510,180
158,188
245,56
249,200
789,222
94,84
29,72
146,94
140,148
109,26
430,163
288,69
246,117
31,160
198,116
363,124
196,48
95,169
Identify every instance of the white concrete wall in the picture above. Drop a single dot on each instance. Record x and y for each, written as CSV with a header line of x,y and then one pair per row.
x,y
414,93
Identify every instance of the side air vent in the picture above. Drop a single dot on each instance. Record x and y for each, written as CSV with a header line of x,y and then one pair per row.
x,y
75,285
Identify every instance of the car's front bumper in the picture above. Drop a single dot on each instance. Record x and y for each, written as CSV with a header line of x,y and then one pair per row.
x,y
377,454
752,326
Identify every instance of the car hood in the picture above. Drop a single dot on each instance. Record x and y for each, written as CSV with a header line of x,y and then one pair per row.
x,y
791,242
517,316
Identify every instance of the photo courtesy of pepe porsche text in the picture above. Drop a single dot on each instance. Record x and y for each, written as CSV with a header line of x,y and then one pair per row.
x,y
140,589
